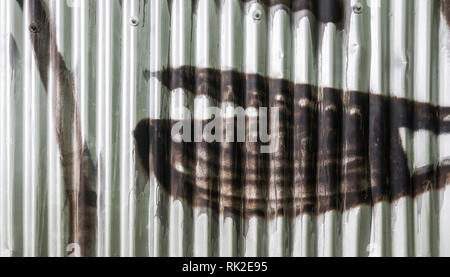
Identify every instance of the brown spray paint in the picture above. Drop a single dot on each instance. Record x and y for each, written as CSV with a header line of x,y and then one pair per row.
x,y
315,171
76,161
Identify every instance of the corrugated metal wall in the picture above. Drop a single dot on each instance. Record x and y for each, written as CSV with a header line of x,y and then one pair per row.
x,y
89,89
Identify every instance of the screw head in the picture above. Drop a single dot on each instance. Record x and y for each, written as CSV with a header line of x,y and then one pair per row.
x,y
257,14
357,8
134,21
34,27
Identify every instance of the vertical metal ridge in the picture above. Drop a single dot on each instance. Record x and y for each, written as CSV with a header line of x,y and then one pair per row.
x,y
32,91
206,38
17,36
328,100
128,101
305,135
423,140
104,124
159,60
82,68
230,164
181,108
56,240
355,176
6,145
255,171
444,139
280,129
379,245
399,85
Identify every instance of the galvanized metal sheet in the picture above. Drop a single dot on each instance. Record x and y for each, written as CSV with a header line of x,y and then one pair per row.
x,y
334,119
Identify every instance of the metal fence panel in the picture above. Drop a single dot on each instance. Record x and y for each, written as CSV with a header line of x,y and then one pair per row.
x,y
101,103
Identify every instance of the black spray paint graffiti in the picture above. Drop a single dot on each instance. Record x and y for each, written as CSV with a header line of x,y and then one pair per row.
x,y
309,174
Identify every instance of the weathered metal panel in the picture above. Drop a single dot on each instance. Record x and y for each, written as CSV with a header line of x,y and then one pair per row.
x,y
355,161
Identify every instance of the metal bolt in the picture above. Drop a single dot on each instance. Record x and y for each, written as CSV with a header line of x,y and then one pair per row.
x,y
357,8
134,21
257,14
34,27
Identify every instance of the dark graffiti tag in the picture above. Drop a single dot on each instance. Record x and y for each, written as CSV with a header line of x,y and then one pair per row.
x,y
312,176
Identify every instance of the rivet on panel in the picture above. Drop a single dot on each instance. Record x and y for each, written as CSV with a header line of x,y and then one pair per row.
x,y
357,8
34,27
134,21
257,14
